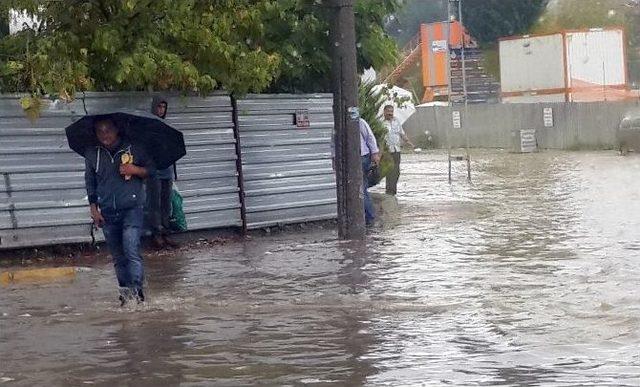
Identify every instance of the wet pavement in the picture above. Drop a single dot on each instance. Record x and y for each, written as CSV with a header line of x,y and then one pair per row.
x,y
530,275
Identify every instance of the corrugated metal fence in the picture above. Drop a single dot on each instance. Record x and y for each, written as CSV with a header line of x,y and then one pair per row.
x,y
288,176
288,170
42,195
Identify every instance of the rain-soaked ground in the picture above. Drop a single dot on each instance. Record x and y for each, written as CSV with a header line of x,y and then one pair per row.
x,y
528,276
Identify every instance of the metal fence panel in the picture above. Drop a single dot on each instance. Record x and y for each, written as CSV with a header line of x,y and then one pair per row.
x,y
287,170
42,196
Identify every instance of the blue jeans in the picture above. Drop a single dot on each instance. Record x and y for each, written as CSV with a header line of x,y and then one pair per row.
x,y
369,211
122,230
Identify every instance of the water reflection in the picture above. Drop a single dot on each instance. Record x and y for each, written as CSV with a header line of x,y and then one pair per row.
x,y
143,352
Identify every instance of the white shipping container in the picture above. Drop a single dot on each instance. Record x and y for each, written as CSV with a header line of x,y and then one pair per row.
x,y
532,63
588,65
540,98
596,57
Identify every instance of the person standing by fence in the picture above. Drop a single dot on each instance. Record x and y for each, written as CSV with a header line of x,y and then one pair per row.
x,y
159,188
394,137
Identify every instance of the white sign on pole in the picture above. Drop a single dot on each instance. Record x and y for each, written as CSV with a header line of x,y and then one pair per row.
x,y
547,115
457,123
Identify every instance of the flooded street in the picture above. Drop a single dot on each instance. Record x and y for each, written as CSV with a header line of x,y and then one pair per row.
x,y
530,275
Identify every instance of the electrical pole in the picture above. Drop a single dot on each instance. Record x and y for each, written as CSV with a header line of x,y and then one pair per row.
x,y
462,51
348,164
464,88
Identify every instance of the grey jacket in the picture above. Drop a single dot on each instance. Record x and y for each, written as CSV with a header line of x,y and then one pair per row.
x,y
105,186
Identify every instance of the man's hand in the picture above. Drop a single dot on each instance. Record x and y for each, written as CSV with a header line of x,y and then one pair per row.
x,y
407,141
375,158
97,217
132,170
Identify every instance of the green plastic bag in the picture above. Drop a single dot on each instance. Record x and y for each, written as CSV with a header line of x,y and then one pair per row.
x,y
178,222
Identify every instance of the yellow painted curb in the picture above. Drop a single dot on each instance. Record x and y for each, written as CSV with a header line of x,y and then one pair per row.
x,y
37,275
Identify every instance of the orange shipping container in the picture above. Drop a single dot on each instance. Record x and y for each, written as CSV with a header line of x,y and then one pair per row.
x,y
435,51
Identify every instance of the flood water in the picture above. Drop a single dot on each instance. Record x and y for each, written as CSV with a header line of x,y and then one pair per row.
x,y
530,275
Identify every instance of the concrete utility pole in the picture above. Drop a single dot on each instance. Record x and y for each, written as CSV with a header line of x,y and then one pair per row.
x,y
348,164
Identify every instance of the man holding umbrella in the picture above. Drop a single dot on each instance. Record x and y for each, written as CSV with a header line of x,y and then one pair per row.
x,y
114,174
120,151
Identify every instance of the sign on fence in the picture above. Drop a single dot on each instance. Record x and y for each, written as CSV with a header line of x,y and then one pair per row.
x,y
457,122
547,116
528,143
302,118
439,46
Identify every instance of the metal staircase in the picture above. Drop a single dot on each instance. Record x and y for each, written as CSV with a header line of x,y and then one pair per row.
x,y
481,87
411,55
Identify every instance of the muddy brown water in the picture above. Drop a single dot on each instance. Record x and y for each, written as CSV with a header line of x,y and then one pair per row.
x,y
530,275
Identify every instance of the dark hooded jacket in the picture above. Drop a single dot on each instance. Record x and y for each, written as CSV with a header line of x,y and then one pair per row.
x,y
105,186
167,173
157,100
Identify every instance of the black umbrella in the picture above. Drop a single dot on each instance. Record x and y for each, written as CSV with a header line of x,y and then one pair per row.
x,y
164,144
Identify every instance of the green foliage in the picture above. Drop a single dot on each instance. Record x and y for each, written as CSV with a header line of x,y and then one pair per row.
x,y
375,48
572,14
187,45
405,24
491,60
298,30
31,107
369,103
4,24
488,20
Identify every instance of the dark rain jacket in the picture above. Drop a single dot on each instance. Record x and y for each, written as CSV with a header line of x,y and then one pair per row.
x,y
105,186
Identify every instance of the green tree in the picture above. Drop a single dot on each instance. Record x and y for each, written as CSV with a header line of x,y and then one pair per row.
x,y
488,20
405,23
187,45
572,14
370,101
136,44
299,32
4,24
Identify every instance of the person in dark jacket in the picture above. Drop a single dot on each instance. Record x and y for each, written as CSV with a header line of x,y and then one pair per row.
x,y
159,190
114,175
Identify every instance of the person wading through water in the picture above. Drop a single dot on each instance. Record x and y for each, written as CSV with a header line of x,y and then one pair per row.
x,y
395,136
114,175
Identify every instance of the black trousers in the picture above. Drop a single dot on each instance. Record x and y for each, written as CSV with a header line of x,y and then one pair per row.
x,y
159,205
